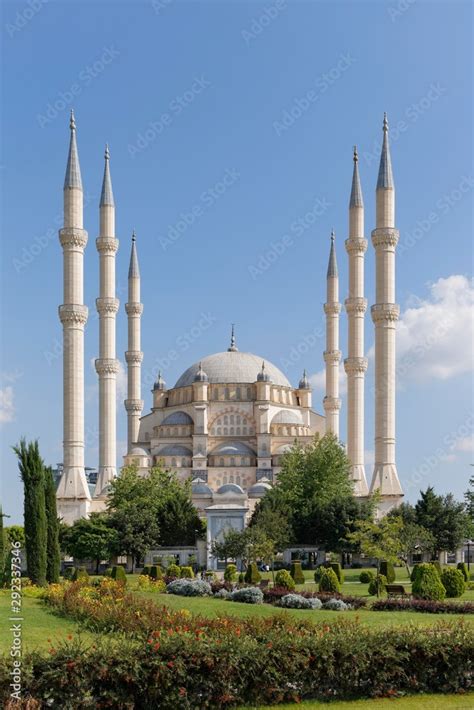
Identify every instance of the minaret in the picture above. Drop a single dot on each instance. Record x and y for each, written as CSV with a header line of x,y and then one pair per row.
x,y
73,490
332,354
385,314
356,364
133,356
107,364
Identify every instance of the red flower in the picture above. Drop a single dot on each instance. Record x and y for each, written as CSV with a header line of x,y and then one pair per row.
x,y
170,664
182,691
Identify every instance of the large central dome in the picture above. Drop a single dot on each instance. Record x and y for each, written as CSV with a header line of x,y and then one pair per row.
x,y
233,367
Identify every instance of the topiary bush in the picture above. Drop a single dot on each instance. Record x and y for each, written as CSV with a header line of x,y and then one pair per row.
x,y
118,573
296,601
252,575
297,573
146,570
80,573
366,576
69,572
437,565
336,605
427,584
230,573
336,567
378,583
462,567
189,588
329,581
388,571
318,572
415,571
241,578
248,595
284,579
156,572
173,571
187,573
453,581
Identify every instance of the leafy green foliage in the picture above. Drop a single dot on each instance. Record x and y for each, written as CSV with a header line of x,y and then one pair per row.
x,y
296,572
445,518
366,576
336,566
462,567
388,571
453,581
90,538
173,570
284,579
118,574
377,585
3,548
80,575
252,575
379,539
53,552
70,571
230,573
427,583
329,581
187,573
31,468
155,572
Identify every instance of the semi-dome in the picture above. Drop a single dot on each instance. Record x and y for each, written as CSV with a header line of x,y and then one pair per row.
x,y
175,450
258,489
288,416
177,418
199,487
230,488
233,448
138,451
232,366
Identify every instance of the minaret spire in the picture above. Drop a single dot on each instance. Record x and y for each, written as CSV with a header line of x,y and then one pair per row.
x,y
332,354
385,314
107,365
73,491
355,364
133,356
233,347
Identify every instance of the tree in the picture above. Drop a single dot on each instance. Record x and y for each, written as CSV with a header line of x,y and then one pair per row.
x,y
444,517
414,538
379,540
90,539
53,553
15,533
232,546
273,523
31,469
179,520
469,498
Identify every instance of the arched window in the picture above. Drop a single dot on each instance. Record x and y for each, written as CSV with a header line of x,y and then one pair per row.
x,y
226,419
237,431
231,478
249,393
225,431
244,430
232,461
232,419
219,431
238,420
231,430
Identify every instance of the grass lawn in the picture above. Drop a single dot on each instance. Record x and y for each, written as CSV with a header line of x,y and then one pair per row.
x,y
38,625
416,702
218,607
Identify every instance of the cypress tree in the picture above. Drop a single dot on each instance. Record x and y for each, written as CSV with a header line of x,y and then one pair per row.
x,y
53,552
32,474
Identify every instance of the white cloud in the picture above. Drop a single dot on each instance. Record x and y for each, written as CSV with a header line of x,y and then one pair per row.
x,y
435,335
7,407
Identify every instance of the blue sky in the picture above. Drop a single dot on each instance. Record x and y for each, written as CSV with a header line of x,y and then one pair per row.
x,y
245,114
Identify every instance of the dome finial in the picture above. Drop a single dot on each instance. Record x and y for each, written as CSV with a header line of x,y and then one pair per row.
x,y
385,176
107,152
72,121
107,195
134,238
200,375
304,382
356,155
233,347
356,199
385,122
262,375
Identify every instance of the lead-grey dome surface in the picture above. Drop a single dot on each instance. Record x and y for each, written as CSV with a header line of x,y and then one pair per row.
x,y
233,367
177,418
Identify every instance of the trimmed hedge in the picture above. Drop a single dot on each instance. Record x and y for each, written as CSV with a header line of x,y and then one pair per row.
x,y
462,567
252,575
173,571
329,581
187,573
284,579
230,573
336,567
453,581
388,571
297,573
427,583
189,588
80,574
192,662
248,595
379,583
272,595
297,601
156,572
366,576
146,570
423,605
118,574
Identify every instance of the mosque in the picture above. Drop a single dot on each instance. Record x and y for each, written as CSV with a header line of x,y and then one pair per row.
x,y
230,417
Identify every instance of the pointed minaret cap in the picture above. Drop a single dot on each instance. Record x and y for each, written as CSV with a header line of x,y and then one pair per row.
x,y
160,384
73,169
385,177
133,270
233,347
304,382
356,190
200,375
332,266
107,196
263,376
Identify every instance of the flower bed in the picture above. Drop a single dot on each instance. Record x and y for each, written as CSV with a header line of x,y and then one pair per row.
x,y
273,595
174,659
424,605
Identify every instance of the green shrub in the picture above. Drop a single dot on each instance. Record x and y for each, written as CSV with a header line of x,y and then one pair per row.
x,y
379,583
318,572
146,570
415,571
427,584
453,581
338,571
462,567
118,573
437,565
387,570
156,572
252,575
296,572
187,573
173,570
241,578
329,581
284,579
366,576
108,572
230,573
69,572
80,573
